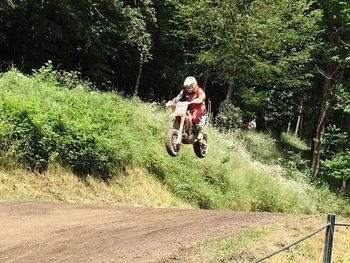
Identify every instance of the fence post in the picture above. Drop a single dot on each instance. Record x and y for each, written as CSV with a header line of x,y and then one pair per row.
x,y
329,239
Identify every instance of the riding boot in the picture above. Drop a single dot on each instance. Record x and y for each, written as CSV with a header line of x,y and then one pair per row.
x,y
198,127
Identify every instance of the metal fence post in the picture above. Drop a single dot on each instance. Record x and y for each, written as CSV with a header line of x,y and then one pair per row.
x,y
329,239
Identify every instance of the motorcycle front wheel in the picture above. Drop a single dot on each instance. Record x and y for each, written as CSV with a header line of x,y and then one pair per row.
x,y
201,147
172,148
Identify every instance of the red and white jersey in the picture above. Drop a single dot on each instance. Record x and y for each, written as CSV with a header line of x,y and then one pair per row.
x,y
198,93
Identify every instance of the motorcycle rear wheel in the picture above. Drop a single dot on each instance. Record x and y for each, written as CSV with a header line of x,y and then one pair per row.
x,y
170,143
201,147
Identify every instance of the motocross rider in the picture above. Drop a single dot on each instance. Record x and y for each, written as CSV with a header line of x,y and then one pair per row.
x,y
195,98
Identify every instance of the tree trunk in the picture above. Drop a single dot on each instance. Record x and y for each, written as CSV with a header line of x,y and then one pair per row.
x,y
346,122
301,126
331,75
299,118
229,92
326,107
205,82
342,189
136,90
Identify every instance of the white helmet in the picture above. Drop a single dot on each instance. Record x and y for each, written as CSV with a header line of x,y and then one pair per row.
x,y
190,81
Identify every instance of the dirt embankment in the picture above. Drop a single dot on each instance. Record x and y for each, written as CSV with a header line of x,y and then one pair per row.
x,y
58,232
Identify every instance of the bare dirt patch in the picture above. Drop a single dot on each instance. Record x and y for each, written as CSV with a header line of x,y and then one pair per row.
x,y
60,232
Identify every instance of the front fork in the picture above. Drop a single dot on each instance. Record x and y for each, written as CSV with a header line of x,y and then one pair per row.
x,y
181,127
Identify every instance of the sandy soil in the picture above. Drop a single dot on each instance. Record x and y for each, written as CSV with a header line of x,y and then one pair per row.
x,y
59,232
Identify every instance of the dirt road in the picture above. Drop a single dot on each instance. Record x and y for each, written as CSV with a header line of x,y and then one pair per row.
x,y
57,232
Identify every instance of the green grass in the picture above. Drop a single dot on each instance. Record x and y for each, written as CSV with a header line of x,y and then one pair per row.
x,y
46,123
255,243
293,141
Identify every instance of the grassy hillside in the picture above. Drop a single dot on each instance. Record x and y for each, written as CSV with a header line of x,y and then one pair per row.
x,y
256,243
81,145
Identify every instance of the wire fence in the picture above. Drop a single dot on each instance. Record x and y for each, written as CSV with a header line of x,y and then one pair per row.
x,y
328,241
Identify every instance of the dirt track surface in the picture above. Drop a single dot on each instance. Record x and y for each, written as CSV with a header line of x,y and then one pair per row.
x,y
58,232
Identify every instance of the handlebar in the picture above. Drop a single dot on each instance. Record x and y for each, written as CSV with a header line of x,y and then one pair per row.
x,y
170,103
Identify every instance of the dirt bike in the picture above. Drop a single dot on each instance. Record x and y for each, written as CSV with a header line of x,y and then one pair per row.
x,y
183,131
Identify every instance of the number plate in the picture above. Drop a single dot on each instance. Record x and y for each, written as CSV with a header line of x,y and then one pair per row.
x,y
181,107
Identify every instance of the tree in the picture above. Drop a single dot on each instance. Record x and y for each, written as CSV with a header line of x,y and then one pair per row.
x,y
335,161
335,59
204,29
280,54
107,41
137,34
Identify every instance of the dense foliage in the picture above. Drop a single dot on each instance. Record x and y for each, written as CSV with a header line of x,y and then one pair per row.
x,y
285,62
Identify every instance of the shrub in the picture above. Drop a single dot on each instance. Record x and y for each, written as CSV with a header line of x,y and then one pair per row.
x,y
25,140
229,117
